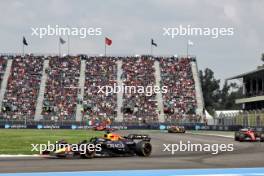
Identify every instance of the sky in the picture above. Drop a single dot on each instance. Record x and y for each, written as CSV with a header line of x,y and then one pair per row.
x,y
132,23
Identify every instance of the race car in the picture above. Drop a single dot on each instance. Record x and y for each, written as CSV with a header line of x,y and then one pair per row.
x,y
176,129
100,127
249,134
104,128
110,145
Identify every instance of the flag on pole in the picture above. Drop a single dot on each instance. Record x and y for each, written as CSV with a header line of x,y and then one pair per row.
x,y
108,41
190,43
25,41
62,41
153,43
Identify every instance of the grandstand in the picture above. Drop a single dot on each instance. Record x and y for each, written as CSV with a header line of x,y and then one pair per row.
x,y
3,64
252,100
40,88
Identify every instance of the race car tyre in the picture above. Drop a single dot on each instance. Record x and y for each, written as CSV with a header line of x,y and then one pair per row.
x,y
88,155
45,152
262,137
143,148
241,137
62,156
236,136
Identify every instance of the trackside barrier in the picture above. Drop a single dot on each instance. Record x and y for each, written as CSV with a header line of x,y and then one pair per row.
x,y
127,127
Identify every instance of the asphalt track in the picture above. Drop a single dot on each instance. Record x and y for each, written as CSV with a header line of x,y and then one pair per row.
x,y
245,154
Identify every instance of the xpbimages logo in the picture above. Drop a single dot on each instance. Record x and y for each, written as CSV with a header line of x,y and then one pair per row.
x,y
195,147
146,90
188,30
50,147
57,30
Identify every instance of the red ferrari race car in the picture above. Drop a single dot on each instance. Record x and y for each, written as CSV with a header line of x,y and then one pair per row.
x,y
249,134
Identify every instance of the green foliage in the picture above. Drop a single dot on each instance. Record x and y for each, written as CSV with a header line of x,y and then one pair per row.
x,y
262,57
216,98
229,94
18,141
210,87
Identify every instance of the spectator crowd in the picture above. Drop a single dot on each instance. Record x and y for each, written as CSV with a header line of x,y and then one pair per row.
x,y
99,72
23,87
139,107
62,85
62,90
180,99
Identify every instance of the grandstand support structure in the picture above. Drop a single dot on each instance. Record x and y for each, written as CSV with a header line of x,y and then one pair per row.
x,y
119,117
5,81
40,99
81,91
159,95
198,89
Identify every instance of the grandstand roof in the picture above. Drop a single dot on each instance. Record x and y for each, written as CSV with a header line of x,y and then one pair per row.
x,y
259,69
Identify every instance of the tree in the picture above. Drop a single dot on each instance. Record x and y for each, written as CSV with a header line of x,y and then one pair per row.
x,y
210,88
229,94
216,98
262,57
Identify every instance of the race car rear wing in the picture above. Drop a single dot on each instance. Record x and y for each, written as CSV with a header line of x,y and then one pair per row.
x,y
143,137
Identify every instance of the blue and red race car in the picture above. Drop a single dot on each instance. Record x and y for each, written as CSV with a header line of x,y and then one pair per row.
x,y
249,134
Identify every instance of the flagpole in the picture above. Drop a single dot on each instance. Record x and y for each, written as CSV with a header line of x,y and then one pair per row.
x,y
187,49
23,49
105,49
68,43
151,49
59,48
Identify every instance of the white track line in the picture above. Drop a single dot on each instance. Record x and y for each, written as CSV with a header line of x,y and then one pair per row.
x,y
208,134
18,156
